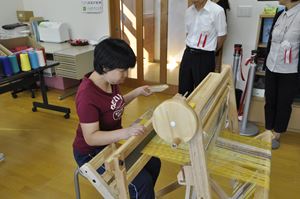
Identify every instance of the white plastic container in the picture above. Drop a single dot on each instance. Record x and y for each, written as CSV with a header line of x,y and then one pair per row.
x,y
56,32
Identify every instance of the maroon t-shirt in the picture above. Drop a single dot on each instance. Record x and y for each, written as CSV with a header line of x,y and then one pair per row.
x,y
93,104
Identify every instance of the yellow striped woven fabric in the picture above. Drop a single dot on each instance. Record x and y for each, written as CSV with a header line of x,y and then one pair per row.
x,y
247,167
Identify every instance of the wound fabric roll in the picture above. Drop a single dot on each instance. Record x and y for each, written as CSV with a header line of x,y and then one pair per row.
x,y
6,66
34,62
14,63
25,63
41,59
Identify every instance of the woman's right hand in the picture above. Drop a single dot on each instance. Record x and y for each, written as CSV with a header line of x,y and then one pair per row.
x,y
134,130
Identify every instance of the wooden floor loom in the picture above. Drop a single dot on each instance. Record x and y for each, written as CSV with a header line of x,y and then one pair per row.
x,y
198,133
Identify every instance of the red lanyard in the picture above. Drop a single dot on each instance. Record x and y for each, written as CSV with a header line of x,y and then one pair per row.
x,y
204,41
288,56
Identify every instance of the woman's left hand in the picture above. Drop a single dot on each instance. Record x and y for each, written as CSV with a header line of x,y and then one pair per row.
x,y
143,90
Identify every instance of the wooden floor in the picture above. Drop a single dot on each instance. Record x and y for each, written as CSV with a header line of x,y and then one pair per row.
x,y
39,161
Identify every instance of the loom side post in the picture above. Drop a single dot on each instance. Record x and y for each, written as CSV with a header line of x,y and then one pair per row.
x,y
185,177
97,181
199,167
232,111
120,174
89,170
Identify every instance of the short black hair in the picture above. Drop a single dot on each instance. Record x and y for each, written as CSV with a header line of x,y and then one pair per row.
x,y
111,54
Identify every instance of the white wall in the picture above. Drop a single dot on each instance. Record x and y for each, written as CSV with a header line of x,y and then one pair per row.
x,y
148,7
8,11
176,29
243,30
157,29
93,26
240,29
83,25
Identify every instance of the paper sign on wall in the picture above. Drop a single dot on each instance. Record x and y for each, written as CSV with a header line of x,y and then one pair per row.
x,y
92,6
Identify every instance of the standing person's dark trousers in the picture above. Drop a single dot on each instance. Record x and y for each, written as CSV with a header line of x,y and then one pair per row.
x,y
195,66
280,90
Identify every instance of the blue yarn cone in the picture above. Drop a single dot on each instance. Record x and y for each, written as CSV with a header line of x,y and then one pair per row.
x,y
14,63
6,66
34,62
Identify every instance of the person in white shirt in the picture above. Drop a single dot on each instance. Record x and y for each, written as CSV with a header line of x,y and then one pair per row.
x,y
206,31
282,69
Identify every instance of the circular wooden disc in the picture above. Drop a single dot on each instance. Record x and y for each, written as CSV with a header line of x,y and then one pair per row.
x,y
175,121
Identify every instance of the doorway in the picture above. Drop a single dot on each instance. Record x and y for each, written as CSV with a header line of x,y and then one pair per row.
x,y
152,30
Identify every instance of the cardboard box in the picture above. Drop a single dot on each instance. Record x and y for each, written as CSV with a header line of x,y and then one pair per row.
x,y
4,51
24,16
8,44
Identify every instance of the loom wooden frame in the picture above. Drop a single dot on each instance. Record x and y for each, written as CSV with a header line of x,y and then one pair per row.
x,y
114,182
